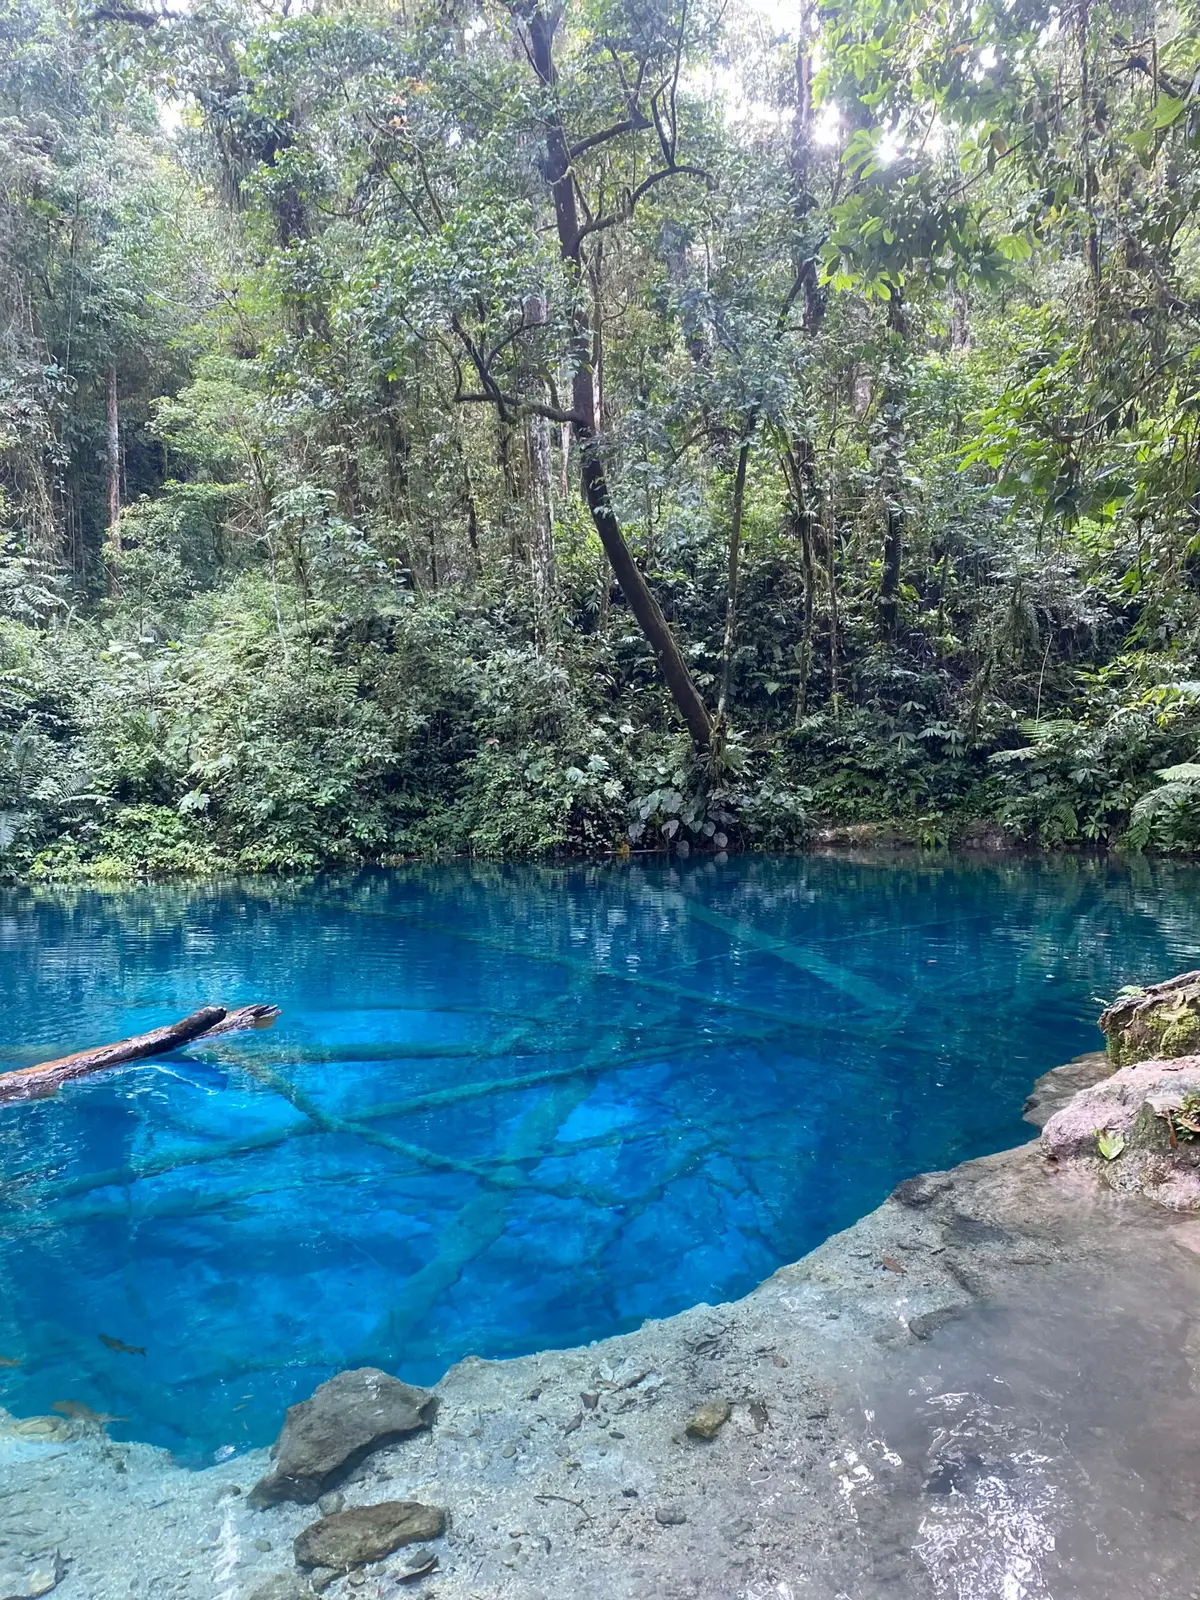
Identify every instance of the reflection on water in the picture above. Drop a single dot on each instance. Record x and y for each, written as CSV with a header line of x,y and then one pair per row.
x,y
506,1108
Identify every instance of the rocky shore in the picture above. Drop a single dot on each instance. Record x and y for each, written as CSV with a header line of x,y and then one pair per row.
x,y
988,1387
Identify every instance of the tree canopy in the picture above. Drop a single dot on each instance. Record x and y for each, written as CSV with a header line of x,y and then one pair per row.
x,y
516,427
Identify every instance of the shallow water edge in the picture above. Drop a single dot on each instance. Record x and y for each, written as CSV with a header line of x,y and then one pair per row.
x,y
988,1387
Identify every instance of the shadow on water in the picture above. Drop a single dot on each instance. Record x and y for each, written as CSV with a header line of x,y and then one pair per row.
x,y
507,1107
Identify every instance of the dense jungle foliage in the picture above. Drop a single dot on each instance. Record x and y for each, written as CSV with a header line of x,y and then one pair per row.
x,y
508,426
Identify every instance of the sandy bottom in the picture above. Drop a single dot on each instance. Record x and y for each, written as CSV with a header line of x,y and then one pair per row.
x,y
988,1389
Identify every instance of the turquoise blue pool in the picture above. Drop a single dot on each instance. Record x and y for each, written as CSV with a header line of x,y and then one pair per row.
x,y
506,1108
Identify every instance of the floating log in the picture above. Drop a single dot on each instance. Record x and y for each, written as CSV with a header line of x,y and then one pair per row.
x,y
36,1083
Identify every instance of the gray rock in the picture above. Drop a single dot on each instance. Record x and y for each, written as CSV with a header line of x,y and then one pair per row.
x,y
326,1436
321,1577
709,1420
1136,1132
329,1503
416,1564
367,1533
670,1516
33,1579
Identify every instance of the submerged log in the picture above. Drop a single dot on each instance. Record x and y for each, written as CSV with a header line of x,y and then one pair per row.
x,y
35,1083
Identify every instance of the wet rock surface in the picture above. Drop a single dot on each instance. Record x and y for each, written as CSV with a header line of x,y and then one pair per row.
x,y
346,1419
367,1533
1013,1414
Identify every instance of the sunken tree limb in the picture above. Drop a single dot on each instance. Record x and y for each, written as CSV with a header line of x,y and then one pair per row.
x,y
35,1083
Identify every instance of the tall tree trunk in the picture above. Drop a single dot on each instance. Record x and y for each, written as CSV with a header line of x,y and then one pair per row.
x,y
512,501
835,687
800,474
114,479
541,530
642,602
805,530
893,464
542,564
731,582
799,451
472,515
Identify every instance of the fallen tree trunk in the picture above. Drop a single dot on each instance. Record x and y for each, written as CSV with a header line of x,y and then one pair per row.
x,y
35,1083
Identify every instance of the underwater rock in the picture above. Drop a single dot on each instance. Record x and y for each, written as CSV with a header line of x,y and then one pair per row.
x,y
416,1564
709,1420
1163,1020
670,1516
33,1580
345,1420
367,1533
1137,1130
46,1430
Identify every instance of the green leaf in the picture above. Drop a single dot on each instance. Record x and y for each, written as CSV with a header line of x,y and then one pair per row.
x,y
1109,1145
1168,111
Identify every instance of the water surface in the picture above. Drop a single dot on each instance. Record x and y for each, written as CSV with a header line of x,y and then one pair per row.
x,y
506,1108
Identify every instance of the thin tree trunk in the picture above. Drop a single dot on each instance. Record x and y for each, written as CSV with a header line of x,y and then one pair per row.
x,y
800,473
594,480
893,465
114,479
835,693
731,582
472,521
541,533
541,504
804,528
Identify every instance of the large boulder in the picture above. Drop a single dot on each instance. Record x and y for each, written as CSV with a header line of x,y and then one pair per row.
x,y
367,1533
325,1437
1164,1020
1137,1130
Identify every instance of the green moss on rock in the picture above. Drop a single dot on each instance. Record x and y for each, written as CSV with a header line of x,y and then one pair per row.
x,y
1162,1021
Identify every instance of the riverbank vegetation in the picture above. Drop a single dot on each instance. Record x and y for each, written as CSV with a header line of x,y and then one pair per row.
x,y
509,428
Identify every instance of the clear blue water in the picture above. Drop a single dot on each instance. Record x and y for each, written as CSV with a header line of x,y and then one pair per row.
x,y
506,1108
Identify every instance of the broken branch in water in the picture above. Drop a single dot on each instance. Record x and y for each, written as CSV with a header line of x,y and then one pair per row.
x,y
34,1083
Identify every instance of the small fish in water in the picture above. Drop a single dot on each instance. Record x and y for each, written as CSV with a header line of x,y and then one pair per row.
x,y
9,1361
120,1346
892,1264
77,1411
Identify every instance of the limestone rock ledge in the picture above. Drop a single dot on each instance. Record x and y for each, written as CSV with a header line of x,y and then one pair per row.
x,y
1137,1130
